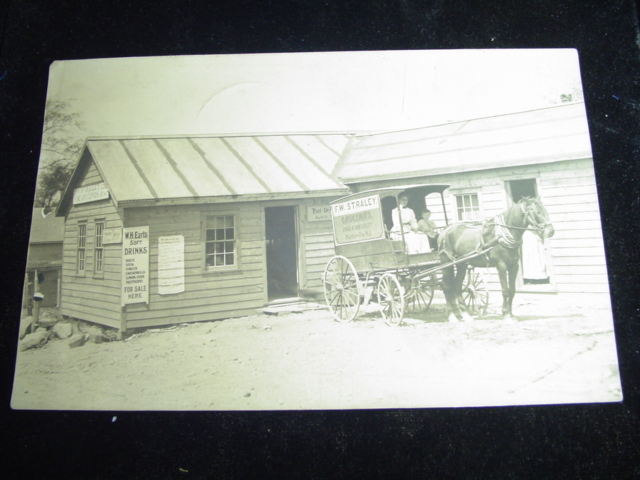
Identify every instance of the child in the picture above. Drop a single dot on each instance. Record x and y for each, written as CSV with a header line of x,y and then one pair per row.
x,y
426,225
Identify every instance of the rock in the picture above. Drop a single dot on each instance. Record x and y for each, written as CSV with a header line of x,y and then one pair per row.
x,y
25,326
63,330
47,319
78,340
34,340
97,338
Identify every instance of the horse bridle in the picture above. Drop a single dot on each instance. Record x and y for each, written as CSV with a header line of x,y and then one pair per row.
x,y
528,216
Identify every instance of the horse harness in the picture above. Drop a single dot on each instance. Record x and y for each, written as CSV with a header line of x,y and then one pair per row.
x,y
503,235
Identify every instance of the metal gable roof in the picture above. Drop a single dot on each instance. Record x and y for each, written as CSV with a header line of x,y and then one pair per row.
x,y
141,169
539,136
46,228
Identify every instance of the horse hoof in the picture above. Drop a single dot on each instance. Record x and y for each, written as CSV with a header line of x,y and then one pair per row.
x,y
509,319
466,317
453,318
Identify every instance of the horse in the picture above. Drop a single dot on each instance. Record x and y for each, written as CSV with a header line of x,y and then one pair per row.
x,y
501,238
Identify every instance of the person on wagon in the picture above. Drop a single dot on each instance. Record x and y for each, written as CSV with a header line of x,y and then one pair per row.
x,y
428,227
404,221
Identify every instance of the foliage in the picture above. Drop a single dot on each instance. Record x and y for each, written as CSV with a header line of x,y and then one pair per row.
x,y
61,146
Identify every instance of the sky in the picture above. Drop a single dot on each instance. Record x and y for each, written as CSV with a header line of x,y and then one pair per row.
x,y
308,92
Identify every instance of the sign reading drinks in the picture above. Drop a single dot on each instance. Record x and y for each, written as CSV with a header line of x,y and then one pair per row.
x,y
135,265
357,220
90,193
170,264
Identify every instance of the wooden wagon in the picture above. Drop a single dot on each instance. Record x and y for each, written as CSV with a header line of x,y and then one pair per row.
x,y
374,264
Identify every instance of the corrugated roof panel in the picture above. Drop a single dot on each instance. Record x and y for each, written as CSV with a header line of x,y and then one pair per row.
x,y
263,164
553,134
321,152
235,173
159,171
200,174
335,143
297,165
120,174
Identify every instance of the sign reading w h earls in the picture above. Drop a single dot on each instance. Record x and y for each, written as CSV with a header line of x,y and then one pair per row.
x,y
357,220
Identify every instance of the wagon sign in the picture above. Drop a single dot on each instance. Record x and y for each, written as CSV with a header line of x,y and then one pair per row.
x,y
357,220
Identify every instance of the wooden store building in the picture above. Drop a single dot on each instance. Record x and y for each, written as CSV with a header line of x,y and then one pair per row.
x,y
491,163
171,230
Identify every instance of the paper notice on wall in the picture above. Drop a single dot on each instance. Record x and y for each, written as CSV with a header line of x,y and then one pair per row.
x,y
135,265
170,264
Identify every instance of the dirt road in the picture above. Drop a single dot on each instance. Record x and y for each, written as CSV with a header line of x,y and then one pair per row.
x,y
559,351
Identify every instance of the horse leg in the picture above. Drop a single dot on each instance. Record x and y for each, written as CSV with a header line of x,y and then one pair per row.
x,y
461,273
448,280
512,270
506,293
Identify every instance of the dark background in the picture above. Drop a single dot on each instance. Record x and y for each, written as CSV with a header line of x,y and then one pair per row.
x,y
573,441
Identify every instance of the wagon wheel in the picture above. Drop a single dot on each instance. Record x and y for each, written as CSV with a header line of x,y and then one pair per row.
x,y
420,297
341,288
391,299
475,293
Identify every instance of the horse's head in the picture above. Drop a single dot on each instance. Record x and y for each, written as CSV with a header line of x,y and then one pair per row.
x,y
536,217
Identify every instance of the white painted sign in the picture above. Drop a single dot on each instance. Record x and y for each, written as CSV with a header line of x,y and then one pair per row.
x,y
358,220
135,265
90,193
355,206
318,213
112,235
170,264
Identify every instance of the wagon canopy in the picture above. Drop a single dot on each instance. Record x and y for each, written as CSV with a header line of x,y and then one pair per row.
x,y
413,189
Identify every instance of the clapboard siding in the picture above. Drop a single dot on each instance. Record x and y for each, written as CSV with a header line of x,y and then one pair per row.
x,y
90,296
568,190
319,249
208,294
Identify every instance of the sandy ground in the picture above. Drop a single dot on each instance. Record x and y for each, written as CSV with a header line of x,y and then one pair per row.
x,y
562,350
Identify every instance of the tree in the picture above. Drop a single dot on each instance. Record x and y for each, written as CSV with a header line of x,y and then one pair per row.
x,y
61,146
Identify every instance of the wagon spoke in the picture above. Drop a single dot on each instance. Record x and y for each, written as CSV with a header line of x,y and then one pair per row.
x,y
475,293
341,289
391,299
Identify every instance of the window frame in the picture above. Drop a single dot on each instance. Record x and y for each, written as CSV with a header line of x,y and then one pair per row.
x,y
479,212
98,247
81,248
208,219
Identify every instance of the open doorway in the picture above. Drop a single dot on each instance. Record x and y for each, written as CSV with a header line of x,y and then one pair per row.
x,y
533,259
282,252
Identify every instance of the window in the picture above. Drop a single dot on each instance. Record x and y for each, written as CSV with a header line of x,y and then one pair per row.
x,y
468,207
82,246
99,249
220,243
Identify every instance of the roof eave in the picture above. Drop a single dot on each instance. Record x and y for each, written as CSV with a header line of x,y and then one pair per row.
x,y
223,199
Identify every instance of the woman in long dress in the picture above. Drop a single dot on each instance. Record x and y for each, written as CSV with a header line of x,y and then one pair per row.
x,y
404,221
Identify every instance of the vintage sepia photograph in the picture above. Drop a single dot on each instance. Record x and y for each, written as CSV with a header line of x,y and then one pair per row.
x,y
345,230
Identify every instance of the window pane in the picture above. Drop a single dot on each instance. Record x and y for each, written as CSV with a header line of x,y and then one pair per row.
x,y
220,241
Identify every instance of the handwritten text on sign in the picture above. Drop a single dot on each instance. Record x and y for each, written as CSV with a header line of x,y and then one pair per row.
x,y
358,220
135,265
318,213
170,264
90,193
